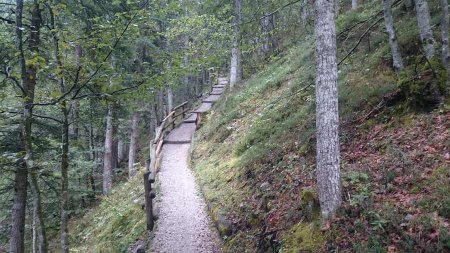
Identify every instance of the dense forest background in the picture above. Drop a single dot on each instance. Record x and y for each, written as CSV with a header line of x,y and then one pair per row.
x,y
84,84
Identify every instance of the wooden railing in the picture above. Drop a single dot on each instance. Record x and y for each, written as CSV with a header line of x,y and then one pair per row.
x,y
168,124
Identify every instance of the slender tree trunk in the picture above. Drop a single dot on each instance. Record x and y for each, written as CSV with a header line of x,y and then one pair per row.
x,y
268,25
34,236
169,99
305,12
108,152
65,131
235,66
92,156
354,4
337,6
327,113
40,225
121,150
65,180
153,121
444,35
133,144
425,31
114,149
74,114
395,50
160,106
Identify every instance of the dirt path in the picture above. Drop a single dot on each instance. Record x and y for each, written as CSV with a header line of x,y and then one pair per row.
x,y
183,225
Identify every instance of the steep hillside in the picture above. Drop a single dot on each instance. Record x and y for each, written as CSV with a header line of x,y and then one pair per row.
x,y
117,224
254,155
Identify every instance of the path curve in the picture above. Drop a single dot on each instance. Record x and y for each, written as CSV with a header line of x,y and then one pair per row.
x,y
183,225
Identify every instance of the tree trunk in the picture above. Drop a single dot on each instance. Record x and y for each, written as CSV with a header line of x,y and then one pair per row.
x,y
40,225
235,67
121,150
305,12
65,132
34,240
28,84
108,152
327,114
425,31
65,181
354,4
169,99
153,121
160,106
114,149
444,35
337,6
389,22
74,128
267,27
92,155
133,144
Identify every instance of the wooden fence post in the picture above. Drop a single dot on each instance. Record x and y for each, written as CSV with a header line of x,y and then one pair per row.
x,y
148,202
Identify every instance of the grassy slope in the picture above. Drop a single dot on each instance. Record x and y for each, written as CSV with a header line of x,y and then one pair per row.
x,y
395,164
113,225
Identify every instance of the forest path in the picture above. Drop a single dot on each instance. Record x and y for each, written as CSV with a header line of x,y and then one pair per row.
x,y
184,224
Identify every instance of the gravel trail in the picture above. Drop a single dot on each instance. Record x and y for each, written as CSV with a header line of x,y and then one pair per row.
x,y
183,225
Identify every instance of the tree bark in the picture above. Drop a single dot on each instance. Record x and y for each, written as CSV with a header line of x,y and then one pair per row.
x,y
235,67
267,26
133,144
327,114
444,35
28,84
92,154
169,99
108,152
337,6
160,110
389,23
425,31
65,180
40,225
121,150
354,4
305,12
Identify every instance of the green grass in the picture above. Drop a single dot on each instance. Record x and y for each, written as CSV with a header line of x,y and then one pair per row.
x,y
113,225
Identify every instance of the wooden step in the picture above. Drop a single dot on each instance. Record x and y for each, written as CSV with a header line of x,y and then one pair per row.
x,y
208,101
190,121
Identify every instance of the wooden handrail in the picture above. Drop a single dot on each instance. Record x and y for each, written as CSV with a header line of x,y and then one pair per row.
x,y
180,105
